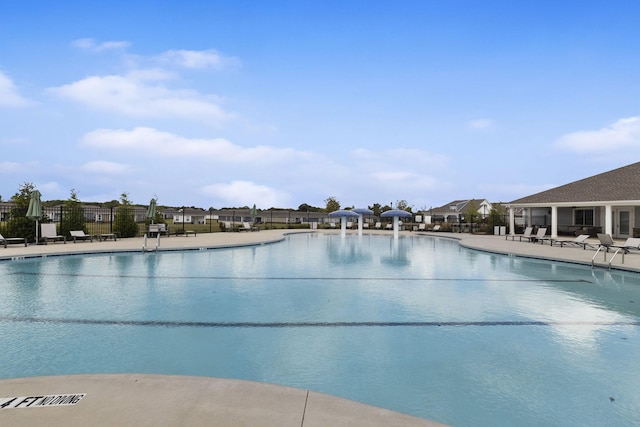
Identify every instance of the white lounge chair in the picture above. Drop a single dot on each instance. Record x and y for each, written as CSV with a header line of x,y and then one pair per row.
x,y
607,242
12,240
48,233
378,225
248,227
527,234
539,236
79,235
578,241
422,227
435,228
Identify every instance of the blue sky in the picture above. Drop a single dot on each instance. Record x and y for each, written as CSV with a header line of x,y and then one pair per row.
x,y
279,103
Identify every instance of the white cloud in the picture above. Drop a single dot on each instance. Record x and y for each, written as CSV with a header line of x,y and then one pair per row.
x,y
12,167
481,123
92,45
9,96
197,59
246,193
104,167
152,142
623,133
139,94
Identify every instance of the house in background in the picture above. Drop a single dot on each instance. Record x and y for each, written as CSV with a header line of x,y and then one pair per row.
x,y
454,211
189,216
608,202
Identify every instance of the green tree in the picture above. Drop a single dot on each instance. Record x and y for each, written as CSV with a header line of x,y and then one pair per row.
x,y
471,214
308,208
497,214
19,225
73,215
332,205
376,208
403,205
125,219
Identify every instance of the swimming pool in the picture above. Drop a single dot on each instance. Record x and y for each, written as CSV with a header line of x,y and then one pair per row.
x,y
417,325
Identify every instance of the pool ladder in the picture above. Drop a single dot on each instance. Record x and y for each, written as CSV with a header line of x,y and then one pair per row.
x,y
606,249
144,246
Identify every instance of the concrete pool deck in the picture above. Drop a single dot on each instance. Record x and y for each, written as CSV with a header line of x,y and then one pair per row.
x,y
166,400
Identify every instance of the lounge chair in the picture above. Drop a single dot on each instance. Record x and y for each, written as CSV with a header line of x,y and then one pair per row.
x,y
349,225
578,241
332,225
79,235
422,227
48,233
539,236
527,234
248,227
389,226
12,240
378,225
435,228
365,225
606,241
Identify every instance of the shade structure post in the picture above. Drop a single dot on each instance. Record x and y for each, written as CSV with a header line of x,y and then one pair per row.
x,y
361,213
396,214
343,215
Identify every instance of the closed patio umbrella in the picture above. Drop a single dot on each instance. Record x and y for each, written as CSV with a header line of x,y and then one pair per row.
x,y
395,214
254,212
35,209
151,211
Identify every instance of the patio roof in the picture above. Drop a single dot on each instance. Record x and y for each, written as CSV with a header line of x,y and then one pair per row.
x,y
622,184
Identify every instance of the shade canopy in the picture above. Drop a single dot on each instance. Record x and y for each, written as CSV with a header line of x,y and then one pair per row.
x,y
395,212
343,213
35,206
254,211
151,211
363,211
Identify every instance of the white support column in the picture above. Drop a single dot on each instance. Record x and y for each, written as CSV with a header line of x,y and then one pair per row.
x,y
343,227
512,222
554,222
396,226
608,220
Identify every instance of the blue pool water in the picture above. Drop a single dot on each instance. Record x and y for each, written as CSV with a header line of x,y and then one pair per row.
x,y
417,325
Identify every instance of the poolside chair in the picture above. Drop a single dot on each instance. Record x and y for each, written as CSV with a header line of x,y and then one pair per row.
x,y
435,228
539,236
349,225
332,225
365,225
422,227
378,225
606,241
389,226
11,240
79,235
248,227
527,234
48,233
578,241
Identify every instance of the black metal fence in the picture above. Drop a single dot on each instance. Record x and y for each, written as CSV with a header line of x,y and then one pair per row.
x,y
92,220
